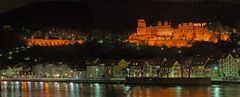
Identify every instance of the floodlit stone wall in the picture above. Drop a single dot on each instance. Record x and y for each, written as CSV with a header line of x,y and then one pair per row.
x,y
165,35
52,42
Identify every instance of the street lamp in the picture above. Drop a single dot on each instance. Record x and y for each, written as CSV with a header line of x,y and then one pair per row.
x,y
97,73
10,53
162,48
179,51
27,58
9,57
216,70
181,66
16,51
100,41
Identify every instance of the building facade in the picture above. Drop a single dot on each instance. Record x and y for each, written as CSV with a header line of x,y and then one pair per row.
x,y
212,69
197,67
165,35
176,70
229,66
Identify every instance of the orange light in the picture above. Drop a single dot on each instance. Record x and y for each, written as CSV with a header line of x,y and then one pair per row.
x,y
52,42
182,36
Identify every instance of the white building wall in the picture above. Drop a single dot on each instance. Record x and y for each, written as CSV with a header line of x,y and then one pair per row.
x,y
229,67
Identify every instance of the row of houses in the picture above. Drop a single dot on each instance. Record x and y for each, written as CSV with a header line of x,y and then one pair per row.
x,y
222,68
226,67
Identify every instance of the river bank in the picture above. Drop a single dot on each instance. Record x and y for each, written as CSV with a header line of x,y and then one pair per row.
x,y
225,82
110,81
132,81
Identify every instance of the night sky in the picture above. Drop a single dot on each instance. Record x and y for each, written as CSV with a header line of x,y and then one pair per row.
x,y
6,5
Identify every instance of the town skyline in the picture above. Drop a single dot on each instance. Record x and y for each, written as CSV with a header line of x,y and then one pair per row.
x,y
121,48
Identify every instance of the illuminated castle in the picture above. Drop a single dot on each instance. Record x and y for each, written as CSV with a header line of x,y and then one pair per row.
x,y
165,35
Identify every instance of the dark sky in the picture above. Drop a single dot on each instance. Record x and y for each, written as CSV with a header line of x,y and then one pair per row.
x,y
6,5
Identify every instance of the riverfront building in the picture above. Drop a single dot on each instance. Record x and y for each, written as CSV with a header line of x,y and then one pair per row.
x,y
229,67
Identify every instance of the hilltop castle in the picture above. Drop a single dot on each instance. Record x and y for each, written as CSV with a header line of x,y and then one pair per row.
x,y
165,35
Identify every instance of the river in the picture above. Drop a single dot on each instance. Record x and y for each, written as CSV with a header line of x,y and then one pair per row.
x,y
60,89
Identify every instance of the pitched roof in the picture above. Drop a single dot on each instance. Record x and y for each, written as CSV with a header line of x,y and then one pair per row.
x,y
232,54
156,61
199,61
97,61
212,63
108,62
168,62
91,61
136,62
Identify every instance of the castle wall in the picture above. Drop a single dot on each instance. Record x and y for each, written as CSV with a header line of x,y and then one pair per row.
x,y
165,35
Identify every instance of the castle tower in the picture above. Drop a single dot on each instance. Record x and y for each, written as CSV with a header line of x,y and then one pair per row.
x,y
165,23
159,23
164,29
142,27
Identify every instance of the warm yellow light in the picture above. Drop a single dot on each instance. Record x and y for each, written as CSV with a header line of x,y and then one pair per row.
x,y
52,42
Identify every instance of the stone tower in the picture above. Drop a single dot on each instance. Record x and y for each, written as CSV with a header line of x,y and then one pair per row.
x,y
142,27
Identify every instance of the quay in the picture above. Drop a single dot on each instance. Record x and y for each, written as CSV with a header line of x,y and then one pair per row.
x,y
133,81
107,81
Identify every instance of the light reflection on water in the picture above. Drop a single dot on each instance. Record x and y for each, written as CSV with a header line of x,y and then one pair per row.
x,y
56,89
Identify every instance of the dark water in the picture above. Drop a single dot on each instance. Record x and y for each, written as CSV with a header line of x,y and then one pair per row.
x,y
55,89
